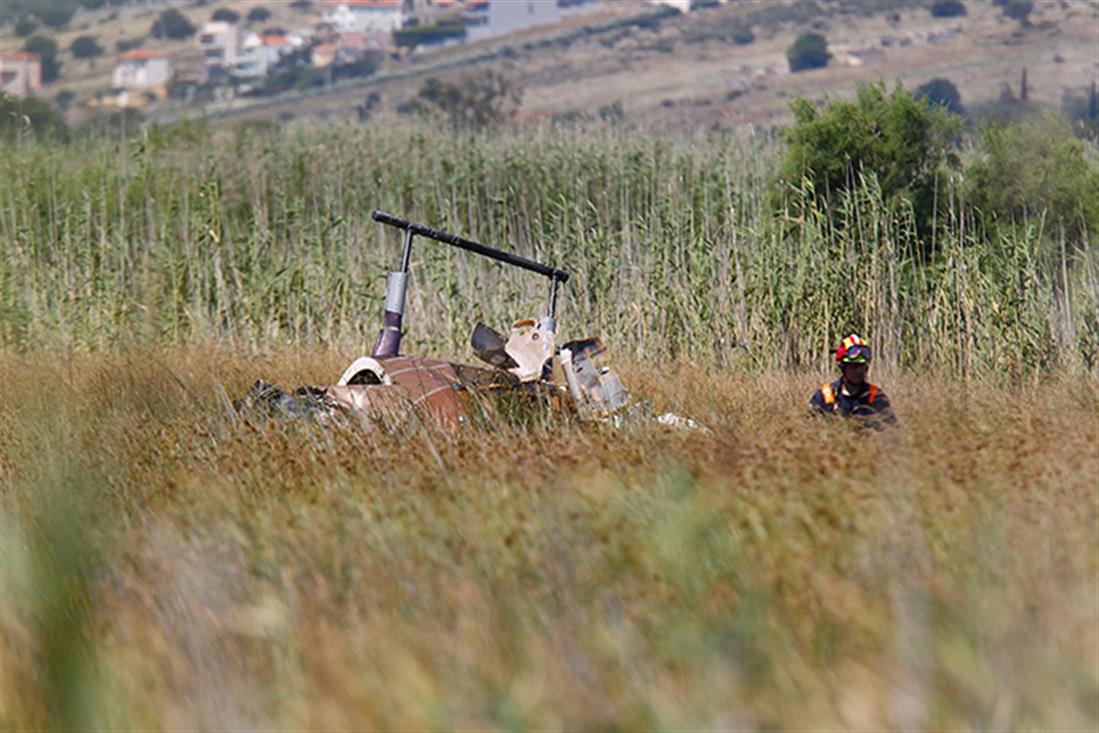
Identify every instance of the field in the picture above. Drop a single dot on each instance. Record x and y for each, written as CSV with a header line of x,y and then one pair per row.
x,y
166,565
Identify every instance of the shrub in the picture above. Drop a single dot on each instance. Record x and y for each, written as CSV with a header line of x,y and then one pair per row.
x,y
64,99
226,15
25,26
128,44
809,51
258,14
56,14
943,93
898,139
172,24
426,35
30,115
47,51
1035,167
948,8
742,35
85,47
486,100
1018,10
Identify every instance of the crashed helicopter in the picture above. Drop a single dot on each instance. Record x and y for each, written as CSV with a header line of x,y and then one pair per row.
x,y
388,387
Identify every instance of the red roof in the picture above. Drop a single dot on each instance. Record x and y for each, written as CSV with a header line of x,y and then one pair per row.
x,y
380,4
142,54
274,40
19,56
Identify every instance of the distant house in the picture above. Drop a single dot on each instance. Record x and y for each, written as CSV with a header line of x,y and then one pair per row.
x,y
380,16
259,52
143,70
349,48
220,44
20,73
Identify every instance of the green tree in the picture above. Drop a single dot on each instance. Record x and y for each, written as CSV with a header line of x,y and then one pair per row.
x,y
25,26
1034,168
947,8
47,51
902,141
258,14
809,51
225,15
943,93
742,35
55,14
1018,10
30,116
85,47
172,24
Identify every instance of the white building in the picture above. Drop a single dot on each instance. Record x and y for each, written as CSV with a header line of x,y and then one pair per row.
x,y
372,16
20,73
220,44
491,18
143,70
258,53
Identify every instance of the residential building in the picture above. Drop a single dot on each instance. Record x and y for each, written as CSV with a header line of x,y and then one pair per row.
x,y
143,70
379,16
220,44
20,73
258,53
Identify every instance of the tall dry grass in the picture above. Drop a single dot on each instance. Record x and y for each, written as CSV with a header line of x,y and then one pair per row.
x,y
261,236
165,566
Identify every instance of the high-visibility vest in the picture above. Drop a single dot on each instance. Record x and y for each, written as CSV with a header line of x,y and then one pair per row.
x,y
830,396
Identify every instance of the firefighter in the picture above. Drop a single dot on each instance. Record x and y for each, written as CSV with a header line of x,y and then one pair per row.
x,y
851,395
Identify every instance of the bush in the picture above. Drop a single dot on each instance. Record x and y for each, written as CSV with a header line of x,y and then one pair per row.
x,y
948,8
226,15
85,47
128,44
486,100
172,24
1035,167
64,99
47,51
1018,10
30,115
809,51
56,14
898,139
943,93
25,26
258,14
426,35
742,35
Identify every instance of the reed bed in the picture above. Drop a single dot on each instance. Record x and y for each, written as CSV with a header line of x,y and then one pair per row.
x,y
166,566
261,237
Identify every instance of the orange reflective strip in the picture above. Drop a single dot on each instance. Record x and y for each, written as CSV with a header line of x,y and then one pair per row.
x,y
873,393
826,393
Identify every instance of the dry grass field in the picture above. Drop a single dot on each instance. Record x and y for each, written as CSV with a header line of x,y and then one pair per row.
x,y
165,566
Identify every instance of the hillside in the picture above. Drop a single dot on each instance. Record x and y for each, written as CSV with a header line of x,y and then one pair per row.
x,y
649,63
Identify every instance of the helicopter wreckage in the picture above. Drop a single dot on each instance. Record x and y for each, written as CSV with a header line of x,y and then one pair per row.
x,y
388,388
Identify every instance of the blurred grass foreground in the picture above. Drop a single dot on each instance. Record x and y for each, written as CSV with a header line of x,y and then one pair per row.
x,y
165,566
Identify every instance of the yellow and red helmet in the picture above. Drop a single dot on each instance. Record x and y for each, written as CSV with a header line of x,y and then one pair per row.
x,y
853,350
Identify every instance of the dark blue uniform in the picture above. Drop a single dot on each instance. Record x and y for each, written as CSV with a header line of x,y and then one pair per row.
x,y
869,402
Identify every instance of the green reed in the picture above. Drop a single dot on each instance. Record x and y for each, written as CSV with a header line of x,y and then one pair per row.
x,y
261,236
